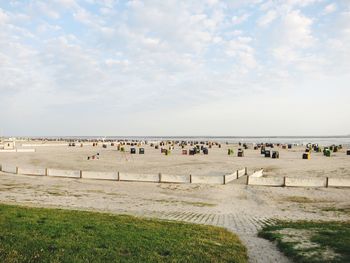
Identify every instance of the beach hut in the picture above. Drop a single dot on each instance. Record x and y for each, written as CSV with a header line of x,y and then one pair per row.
x,y
205,151
240,153
267,153
327,152
262,150
306,156
325,149
142,151
348,152
275,155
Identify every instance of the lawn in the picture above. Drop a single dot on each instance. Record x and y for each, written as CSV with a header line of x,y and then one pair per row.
x,y
307,241
55,235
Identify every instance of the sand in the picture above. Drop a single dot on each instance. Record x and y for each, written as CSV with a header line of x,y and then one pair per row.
x,y
217,162
240,208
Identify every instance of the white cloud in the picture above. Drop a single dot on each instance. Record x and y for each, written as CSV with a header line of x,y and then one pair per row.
x,y
66,3
330,8
45,27
47,10
296,30
236,20
84,17
241,49
268,18
301,3
3,17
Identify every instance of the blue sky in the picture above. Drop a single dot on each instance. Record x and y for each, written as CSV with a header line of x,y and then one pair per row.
x,y
201,67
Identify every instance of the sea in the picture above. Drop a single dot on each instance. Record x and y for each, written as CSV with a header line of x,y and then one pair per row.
x,y
300,140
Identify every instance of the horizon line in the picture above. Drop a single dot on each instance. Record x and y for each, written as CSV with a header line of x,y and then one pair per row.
x,y
181,136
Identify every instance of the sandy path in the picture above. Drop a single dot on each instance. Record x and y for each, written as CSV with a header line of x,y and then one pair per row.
x,y
241,209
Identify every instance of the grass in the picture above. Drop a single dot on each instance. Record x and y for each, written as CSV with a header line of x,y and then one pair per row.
x,y
343,210
55,235
298,199
311,242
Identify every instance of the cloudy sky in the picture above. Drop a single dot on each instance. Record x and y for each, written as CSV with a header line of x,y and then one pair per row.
x,y
171,67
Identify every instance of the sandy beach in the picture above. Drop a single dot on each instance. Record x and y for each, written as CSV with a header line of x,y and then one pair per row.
x,y
216,163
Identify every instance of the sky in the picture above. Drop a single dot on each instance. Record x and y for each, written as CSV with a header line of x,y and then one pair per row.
x,y
172,67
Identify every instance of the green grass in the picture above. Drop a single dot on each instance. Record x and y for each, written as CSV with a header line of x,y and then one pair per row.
x,y
311,242
298,199
55,235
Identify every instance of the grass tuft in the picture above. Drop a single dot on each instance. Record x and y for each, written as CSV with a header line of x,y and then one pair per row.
x,y
55,235
311,242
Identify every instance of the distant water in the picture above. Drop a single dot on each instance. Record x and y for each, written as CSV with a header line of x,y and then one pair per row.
x,y
321,140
